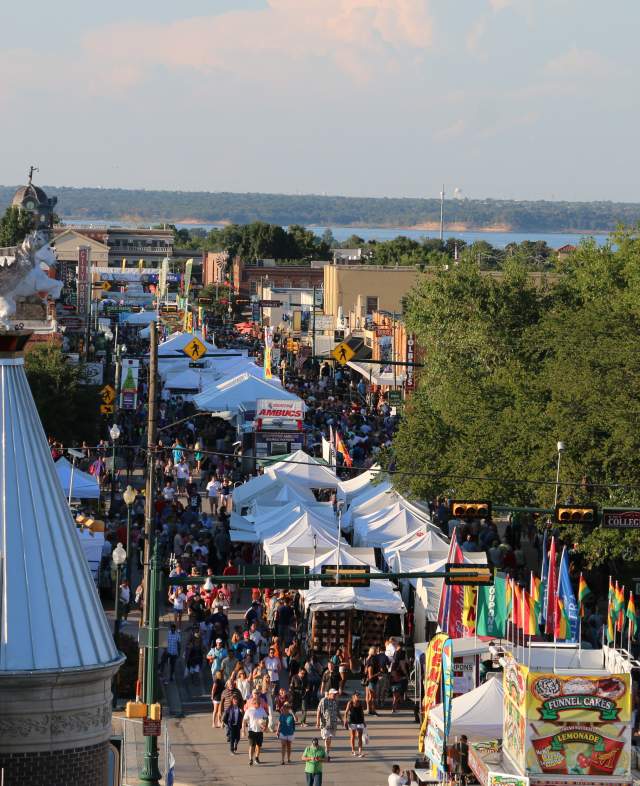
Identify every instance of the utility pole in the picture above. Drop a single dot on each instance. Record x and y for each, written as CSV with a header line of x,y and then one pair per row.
x,y
313,324
149,508
442,214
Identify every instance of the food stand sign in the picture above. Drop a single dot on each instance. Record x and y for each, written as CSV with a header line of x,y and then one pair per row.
x,y
580,699
504,779
620,519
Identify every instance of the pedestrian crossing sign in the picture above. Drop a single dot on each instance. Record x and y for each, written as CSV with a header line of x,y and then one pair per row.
x,y
342,353
195,349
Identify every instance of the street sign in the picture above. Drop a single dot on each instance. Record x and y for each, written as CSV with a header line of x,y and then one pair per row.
x,y
195,349
342,353
269,303
620,519
348,576
395,397
151,728
106,409
197,364
108,394
467,575
72,324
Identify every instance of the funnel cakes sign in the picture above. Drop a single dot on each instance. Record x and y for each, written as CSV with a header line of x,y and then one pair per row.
x,y
583,699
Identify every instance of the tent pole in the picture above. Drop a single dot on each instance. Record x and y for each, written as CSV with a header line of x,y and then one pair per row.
x,y
73,466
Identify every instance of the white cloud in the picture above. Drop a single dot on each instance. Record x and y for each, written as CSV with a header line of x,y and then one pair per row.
x,y
581,63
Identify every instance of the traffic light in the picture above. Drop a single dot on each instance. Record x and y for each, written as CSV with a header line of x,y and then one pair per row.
x,y
470,508
330,572
574,514
468,575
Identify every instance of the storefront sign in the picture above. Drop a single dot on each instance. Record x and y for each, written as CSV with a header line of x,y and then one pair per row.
x,y
278,443
583,699
410,374
620,519
129,385
504,779
83,280
579,749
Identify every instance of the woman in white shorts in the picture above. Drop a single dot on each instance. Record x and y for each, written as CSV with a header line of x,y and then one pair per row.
x,y
286,732
354,721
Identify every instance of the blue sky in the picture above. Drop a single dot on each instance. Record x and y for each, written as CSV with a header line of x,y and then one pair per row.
x,y
498,98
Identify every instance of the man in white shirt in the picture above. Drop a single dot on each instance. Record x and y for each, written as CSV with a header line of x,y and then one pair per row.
x,y
168,492
397,778
213,489
273,666
255,722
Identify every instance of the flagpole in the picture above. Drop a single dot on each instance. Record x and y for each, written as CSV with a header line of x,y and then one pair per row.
x,y
580,638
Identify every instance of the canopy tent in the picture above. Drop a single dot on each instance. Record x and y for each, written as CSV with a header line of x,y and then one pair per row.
x,y
428,589
308,531
356,485
184,379
272,489
422,545
176,342
379,596
478,713
92,543
141,318
393,524
269,522
302,556
81,486
240,392
374,372
373,498
307,471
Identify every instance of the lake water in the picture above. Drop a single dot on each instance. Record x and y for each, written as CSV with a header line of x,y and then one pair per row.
x,y
497,239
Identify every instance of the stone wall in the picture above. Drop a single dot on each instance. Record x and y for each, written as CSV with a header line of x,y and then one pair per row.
x,y
69,767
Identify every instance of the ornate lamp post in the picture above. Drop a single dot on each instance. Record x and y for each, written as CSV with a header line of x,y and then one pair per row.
x,y
129,498
119,557
114,433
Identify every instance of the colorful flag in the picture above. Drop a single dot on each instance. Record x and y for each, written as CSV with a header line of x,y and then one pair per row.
x,y
447,685
492,609
469,610
569,604
530,613
619,607
551,591
631,616
342,448
516,606
452,597
535,591
544,578
583,592
509,597
610,613
562,631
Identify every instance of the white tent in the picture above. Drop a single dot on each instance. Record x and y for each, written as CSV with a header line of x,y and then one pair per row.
x,y
308,530
176,342
92,543
357,485
244,494
272,489
373,498
141,318
379,596
184,379
82,485
394,523
268,522
420,544
478,713
241,391
306,470
428,590
302,556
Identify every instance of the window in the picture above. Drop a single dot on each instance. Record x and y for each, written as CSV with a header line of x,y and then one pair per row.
x,y
372,304
253,286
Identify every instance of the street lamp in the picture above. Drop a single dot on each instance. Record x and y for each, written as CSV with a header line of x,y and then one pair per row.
x,y
129,498
560,447
114,433
119,557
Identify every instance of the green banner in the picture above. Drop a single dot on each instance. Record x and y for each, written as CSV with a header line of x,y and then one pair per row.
x,y
492,609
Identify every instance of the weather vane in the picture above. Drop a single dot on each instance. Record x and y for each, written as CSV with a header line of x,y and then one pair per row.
x,y
32,169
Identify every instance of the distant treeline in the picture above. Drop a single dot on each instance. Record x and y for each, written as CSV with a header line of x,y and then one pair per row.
x,y
104,204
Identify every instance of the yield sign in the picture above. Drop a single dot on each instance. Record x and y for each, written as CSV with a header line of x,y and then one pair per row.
x,y
195,349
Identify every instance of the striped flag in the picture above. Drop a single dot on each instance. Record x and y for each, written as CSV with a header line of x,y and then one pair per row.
x,y
562,625
535,591
544,578
551,591
583,592
631,616
619,607
530,613
342,448
610,613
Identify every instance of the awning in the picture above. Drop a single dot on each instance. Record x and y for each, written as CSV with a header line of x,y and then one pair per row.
x,y
371,373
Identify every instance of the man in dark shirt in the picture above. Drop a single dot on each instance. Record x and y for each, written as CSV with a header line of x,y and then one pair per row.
x,y
285,616
220,624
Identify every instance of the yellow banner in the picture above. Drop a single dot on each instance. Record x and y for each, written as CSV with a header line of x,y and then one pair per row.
x,y
432,675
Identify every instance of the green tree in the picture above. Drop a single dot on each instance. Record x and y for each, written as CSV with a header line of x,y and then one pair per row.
x,y
68,408
15,225
511,368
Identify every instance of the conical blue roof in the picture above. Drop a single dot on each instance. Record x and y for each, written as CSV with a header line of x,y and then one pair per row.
x,y
51,617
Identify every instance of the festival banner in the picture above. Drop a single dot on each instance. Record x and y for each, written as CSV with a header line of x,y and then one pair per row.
x,y
268,344
447,686
432,675
492,609
469,607
579,749
451,607
514,684
565,591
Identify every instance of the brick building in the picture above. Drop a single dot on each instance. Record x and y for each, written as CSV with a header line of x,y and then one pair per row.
x,y
250,278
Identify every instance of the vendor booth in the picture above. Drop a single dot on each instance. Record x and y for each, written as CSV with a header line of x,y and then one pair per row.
x,y
75,483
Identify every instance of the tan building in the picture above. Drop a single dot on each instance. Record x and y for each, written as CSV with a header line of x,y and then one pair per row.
x,y
355,292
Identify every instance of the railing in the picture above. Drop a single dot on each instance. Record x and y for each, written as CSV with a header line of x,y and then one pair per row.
x,y
132,756
140,249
